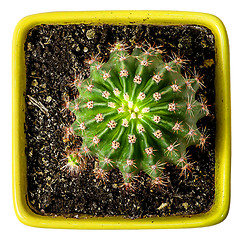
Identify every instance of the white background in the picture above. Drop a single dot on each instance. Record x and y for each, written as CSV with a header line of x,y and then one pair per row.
x,y
230,12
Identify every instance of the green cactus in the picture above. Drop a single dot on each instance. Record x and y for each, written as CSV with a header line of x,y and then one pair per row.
x,y
136,112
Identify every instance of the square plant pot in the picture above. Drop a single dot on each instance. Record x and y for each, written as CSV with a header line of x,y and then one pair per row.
x,y
219,209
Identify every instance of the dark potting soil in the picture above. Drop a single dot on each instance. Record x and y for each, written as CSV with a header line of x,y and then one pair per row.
x,y
54,54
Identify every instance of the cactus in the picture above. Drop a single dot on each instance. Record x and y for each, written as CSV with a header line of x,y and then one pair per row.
x,y
136,113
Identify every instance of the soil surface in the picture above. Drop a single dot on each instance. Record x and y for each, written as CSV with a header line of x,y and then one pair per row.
x,y
54,55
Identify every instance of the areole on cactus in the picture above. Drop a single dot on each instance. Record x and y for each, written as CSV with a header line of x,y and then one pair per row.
x,y
136,112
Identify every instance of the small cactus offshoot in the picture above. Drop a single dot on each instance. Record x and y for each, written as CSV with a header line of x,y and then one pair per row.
x,y
136,113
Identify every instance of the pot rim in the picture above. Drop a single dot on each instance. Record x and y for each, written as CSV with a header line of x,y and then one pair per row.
x,y
220,207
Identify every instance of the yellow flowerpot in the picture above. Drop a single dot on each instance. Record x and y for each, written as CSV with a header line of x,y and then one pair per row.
x,y
220,207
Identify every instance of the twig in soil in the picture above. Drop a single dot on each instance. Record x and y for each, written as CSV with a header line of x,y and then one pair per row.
x,y
39,105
